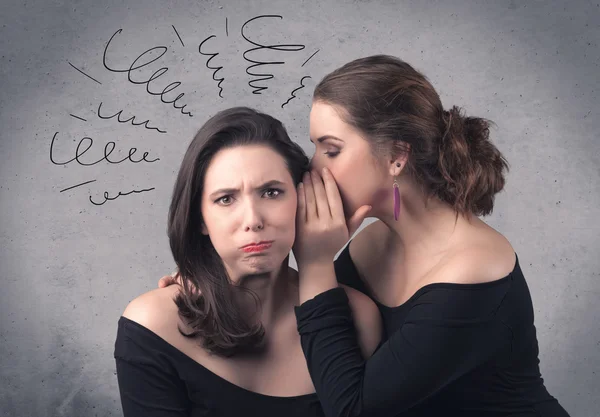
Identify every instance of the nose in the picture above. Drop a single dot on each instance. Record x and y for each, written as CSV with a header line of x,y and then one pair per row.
x,y
253,219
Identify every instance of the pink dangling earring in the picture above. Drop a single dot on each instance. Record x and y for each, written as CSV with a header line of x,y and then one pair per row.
x,y
396,200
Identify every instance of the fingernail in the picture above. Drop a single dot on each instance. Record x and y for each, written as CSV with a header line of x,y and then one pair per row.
x,y
325,171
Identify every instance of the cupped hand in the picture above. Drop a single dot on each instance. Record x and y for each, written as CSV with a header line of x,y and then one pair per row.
x,y
321,226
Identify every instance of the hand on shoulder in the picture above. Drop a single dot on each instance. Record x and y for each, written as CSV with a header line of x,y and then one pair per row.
x,y
169,280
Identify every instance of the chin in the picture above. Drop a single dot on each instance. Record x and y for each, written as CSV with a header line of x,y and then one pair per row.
x,y
262,264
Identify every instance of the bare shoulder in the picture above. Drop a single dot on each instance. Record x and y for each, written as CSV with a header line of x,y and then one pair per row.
x,y
367,320
155,310
487,257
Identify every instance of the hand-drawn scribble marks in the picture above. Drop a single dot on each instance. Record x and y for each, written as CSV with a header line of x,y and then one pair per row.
x,y
107,198
77,117
131,119
293,95
158,73
90,77
263,77
310,57
177,33
216,69
78,185
108,149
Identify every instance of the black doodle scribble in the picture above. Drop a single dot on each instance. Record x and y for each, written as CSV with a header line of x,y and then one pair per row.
x,y
157,74
177,33
77,117
310,57
131,119
258,82
216,69
90,77
78,185
108,149
293,95
283,48
107,198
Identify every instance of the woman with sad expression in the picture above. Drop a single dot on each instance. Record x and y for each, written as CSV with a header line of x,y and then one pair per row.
x,y
225,341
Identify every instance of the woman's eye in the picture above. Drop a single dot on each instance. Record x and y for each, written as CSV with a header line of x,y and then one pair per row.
x,y
332,154
224,201
273,192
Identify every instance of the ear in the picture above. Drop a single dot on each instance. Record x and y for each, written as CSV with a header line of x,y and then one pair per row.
x,y
399,159
203,229
396,165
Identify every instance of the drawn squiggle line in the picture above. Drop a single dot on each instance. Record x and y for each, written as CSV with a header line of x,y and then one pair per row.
x,y
158,73
131,119
264,77
293,91
107,198
220,80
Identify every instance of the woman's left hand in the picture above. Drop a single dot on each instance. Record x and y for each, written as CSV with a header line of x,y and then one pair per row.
x,y
321,227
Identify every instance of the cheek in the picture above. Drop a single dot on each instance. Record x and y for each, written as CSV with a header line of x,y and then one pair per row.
x,y
286,219
356,185
219,225
348,179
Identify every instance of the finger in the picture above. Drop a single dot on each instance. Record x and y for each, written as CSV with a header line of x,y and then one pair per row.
x,y
320,196
334,198
357,218
309,197
301,210
177,279
168,280
163,282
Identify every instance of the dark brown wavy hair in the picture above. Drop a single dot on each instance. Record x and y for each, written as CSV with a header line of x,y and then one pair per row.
x,y
394,105
206,300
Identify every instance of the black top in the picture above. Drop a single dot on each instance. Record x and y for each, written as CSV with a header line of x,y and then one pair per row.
x,y
450,350
158,380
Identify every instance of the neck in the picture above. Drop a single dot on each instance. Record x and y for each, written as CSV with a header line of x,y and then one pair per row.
x,y
425,225
275,292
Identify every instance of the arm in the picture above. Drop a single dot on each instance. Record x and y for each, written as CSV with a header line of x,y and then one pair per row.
x,y
366,320
447,333
441,340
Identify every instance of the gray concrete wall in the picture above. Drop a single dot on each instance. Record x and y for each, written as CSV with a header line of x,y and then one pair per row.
x,y
69,267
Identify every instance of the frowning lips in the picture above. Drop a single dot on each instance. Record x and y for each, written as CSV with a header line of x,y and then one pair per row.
x,y
257,246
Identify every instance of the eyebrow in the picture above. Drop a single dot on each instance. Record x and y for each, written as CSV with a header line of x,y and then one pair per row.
x,y
233,190
324,137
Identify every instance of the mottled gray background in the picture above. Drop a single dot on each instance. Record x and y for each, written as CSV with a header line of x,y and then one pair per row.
x,y
69,267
